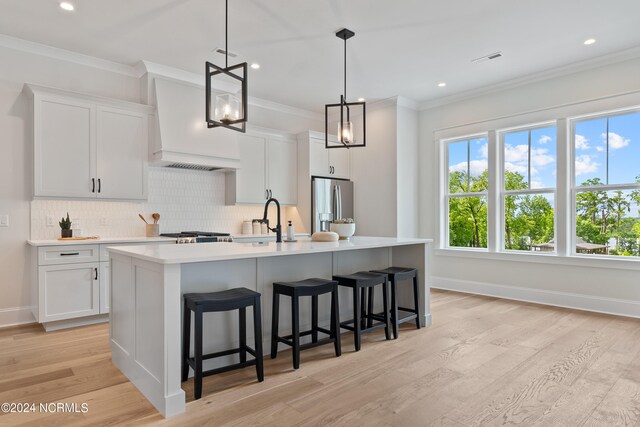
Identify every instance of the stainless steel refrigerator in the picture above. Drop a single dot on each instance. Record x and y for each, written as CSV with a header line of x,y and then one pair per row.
x,y
330,199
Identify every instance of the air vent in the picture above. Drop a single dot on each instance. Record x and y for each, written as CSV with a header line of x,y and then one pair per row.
x,y
489,57
191,167
221,51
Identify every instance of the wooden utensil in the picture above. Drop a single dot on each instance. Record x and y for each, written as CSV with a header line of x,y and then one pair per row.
x,y
142,218
156,217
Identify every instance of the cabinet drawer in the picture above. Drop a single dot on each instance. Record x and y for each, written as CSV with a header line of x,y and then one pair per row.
x,y
51,255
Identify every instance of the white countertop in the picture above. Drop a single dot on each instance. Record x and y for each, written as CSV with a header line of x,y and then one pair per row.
x,y
103,240
203,252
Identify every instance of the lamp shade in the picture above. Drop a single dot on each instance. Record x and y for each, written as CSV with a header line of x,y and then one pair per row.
x,y
229,108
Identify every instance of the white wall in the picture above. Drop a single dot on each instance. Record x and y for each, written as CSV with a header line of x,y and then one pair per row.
x,y
407,166
607,289
181,207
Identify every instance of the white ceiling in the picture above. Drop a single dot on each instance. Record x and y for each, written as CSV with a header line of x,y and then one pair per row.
x,y
402,47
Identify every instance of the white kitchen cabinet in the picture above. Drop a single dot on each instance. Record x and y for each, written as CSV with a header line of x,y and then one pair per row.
x,y
268,168
282,170
333,162
65,149
89,147
71,283
122,154
68,291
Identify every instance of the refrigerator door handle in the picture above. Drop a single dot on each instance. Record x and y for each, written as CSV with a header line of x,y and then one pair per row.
x,y
338,210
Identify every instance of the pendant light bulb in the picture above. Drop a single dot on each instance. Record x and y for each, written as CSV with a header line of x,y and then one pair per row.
x,y
345,130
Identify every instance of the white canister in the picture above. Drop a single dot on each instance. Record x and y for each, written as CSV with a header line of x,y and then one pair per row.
x,y
263,228
256,227
246,227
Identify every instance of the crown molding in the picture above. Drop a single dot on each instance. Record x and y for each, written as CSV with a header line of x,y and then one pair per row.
x,y
588,64
408,103
66,55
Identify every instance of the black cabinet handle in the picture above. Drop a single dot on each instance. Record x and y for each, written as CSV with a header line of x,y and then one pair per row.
x,y
270,194
266,194
70,254
99,185
96,270
93,185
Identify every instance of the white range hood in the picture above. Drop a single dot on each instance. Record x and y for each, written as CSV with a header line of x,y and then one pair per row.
x,y
182,138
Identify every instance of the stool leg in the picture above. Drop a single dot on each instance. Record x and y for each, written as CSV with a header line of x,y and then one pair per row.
x,y
186,338
356,318
314,318
243,334
197,383
295,325
275,318
385,302
335,322
394,308
370,308
363,308
416,299
257,334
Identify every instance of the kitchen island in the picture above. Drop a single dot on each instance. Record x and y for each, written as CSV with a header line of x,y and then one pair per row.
x,y
147,284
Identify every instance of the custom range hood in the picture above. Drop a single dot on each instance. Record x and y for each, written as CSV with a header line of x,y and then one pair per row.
x,y
182,139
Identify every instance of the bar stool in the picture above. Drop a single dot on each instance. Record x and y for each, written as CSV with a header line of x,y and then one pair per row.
x,y
232,299
295,290
395,275
363,312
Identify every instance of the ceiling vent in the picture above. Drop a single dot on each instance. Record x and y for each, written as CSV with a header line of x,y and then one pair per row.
x,y
191,167
221,51
489,57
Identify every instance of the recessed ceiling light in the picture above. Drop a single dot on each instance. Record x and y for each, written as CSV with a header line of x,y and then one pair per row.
x,y
360,99
442,84
589,41
255,66
68,6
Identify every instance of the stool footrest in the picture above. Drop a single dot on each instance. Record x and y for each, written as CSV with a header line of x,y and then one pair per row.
x,y
408,310
229,368
316,344
345,325
401,319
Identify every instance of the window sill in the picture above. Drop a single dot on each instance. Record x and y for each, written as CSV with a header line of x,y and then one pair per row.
x,y
596,261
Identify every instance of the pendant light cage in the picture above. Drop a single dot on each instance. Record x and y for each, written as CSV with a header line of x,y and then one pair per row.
x,y
228,108
350,126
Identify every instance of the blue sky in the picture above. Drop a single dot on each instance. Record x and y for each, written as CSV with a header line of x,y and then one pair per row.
x,y
624,149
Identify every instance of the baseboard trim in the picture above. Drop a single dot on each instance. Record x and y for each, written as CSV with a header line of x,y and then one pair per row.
x,y
618,307
16,316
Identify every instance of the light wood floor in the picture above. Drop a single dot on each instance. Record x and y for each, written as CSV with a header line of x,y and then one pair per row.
x,y
484,361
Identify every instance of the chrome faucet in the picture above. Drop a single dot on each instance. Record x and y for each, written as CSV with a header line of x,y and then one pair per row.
x,y
278,228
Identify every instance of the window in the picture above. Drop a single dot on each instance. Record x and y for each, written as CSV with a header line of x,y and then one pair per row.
x,y
529,182
607,184
467,184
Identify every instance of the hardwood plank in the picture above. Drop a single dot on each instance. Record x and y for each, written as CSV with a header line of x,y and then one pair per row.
x,y
485,361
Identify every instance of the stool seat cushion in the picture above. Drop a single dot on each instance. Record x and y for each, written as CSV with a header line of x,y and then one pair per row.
x,y
361,278
229,299
397,271
307,287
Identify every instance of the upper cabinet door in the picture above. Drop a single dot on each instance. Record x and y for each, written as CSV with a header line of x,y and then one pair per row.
x,y
283,171
64,148
122,154
339,162
318,158
251,177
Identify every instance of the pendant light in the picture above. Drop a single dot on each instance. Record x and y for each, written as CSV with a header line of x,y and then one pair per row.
x,y
229,109
347,134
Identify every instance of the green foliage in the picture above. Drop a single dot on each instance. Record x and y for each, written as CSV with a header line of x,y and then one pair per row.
x,y
529,219
65,224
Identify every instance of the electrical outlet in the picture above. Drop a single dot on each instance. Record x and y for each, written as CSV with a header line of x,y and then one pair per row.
x,y
50,221
103,221
4,220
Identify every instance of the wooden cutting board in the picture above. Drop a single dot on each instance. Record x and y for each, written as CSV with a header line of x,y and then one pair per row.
x,y
79,238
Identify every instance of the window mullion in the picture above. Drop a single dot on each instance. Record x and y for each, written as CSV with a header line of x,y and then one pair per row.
x,y
564,207
494,210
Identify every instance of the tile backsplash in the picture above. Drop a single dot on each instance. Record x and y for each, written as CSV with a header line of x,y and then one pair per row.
x,y
185,199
